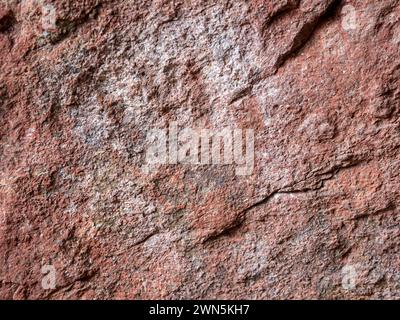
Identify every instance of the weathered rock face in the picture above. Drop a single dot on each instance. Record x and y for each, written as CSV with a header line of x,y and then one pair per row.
x,y
84,215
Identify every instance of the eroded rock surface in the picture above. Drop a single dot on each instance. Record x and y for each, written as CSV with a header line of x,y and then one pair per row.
x,y
83,82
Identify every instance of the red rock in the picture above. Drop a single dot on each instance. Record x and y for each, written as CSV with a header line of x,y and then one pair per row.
x,y
83,83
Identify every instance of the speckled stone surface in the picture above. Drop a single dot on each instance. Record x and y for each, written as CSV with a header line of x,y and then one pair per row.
x,y
83,82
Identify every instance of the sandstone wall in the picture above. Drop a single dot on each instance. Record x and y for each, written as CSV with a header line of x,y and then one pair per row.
x,y
83,82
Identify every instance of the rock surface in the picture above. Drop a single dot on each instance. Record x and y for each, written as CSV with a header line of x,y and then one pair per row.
x,y
83,82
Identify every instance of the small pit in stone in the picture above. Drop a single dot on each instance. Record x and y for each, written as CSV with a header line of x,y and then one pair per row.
x,y
7,20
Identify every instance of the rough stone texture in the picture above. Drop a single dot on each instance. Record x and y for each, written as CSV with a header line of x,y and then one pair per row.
x,y
318,81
